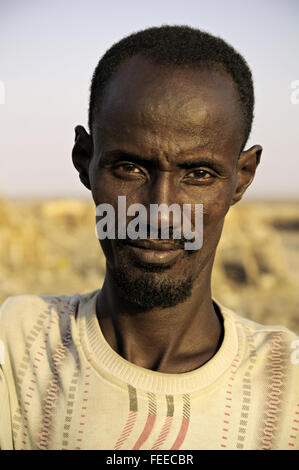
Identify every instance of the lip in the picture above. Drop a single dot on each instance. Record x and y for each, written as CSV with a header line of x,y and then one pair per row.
x,y
154,252
153,245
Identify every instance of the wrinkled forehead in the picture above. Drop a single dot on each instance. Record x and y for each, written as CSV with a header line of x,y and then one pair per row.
x,y
182,100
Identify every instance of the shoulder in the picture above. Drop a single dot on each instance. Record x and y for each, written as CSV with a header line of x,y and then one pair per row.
x,y
255,328
271,342
28,307
32,324
20,313
27,321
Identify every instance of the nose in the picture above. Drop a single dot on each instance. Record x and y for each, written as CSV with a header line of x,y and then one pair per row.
x,y
164,202
162,188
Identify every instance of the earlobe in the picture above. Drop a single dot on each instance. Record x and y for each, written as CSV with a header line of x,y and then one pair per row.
x,y
82,154
246,167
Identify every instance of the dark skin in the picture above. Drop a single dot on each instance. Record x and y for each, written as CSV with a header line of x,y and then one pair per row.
x,y
166,135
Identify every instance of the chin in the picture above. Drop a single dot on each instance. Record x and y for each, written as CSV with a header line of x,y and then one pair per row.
x,y
149,288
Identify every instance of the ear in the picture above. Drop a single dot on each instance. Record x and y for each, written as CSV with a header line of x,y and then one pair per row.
x,y
246,166
82,154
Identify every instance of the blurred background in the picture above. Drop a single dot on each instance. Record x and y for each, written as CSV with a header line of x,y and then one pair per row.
x,y
48,52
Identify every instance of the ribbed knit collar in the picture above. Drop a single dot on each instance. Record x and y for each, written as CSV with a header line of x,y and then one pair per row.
x,y
103,358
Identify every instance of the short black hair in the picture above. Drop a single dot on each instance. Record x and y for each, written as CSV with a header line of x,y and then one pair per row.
x,y
176,46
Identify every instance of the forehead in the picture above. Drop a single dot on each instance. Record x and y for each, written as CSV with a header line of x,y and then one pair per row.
x,y
171,103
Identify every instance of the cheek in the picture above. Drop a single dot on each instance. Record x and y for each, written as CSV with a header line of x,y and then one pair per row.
x,y
216,200
214,212
107,250
104,190
215,208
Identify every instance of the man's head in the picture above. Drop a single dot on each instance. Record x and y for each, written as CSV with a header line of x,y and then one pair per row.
x,y
180,46
170,112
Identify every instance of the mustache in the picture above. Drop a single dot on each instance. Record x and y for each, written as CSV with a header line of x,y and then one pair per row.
x,y
177,243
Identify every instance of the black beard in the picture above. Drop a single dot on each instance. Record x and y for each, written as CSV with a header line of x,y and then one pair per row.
x,y
148,290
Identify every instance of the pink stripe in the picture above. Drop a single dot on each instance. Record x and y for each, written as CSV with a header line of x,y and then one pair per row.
x,y
146,431
294,429
164,433
127,430
181,435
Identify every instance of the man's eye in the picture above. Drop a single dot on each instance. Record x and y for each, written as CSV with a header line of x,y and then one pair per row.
x,y
128,168
200,174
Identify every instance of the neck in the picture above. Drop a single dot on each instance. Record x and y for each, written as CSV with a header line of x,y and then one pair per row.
x,y
173,340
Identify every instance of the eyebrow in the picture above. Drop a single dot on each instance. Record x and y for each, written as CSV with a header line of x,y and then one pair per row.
x,y
115,155
118,154
205,161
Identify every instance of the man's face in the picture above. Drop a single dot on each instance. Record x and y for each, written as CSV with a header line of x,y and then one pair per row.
x,y
165,135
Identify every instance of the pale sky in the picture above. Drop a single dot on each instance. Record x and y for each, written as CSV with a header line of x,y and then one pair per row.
x,y
49,49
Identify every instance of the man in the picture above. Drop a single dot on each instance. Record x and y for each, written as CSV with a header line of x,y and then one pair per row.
x,y
152,361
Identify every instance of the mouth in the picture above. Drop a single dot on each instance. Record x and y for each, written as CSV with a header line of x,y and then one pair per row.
x,y
154,252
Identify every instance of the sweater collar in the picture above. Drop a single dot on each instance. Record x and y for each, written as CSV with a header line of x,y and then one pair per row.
x,y
114,367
